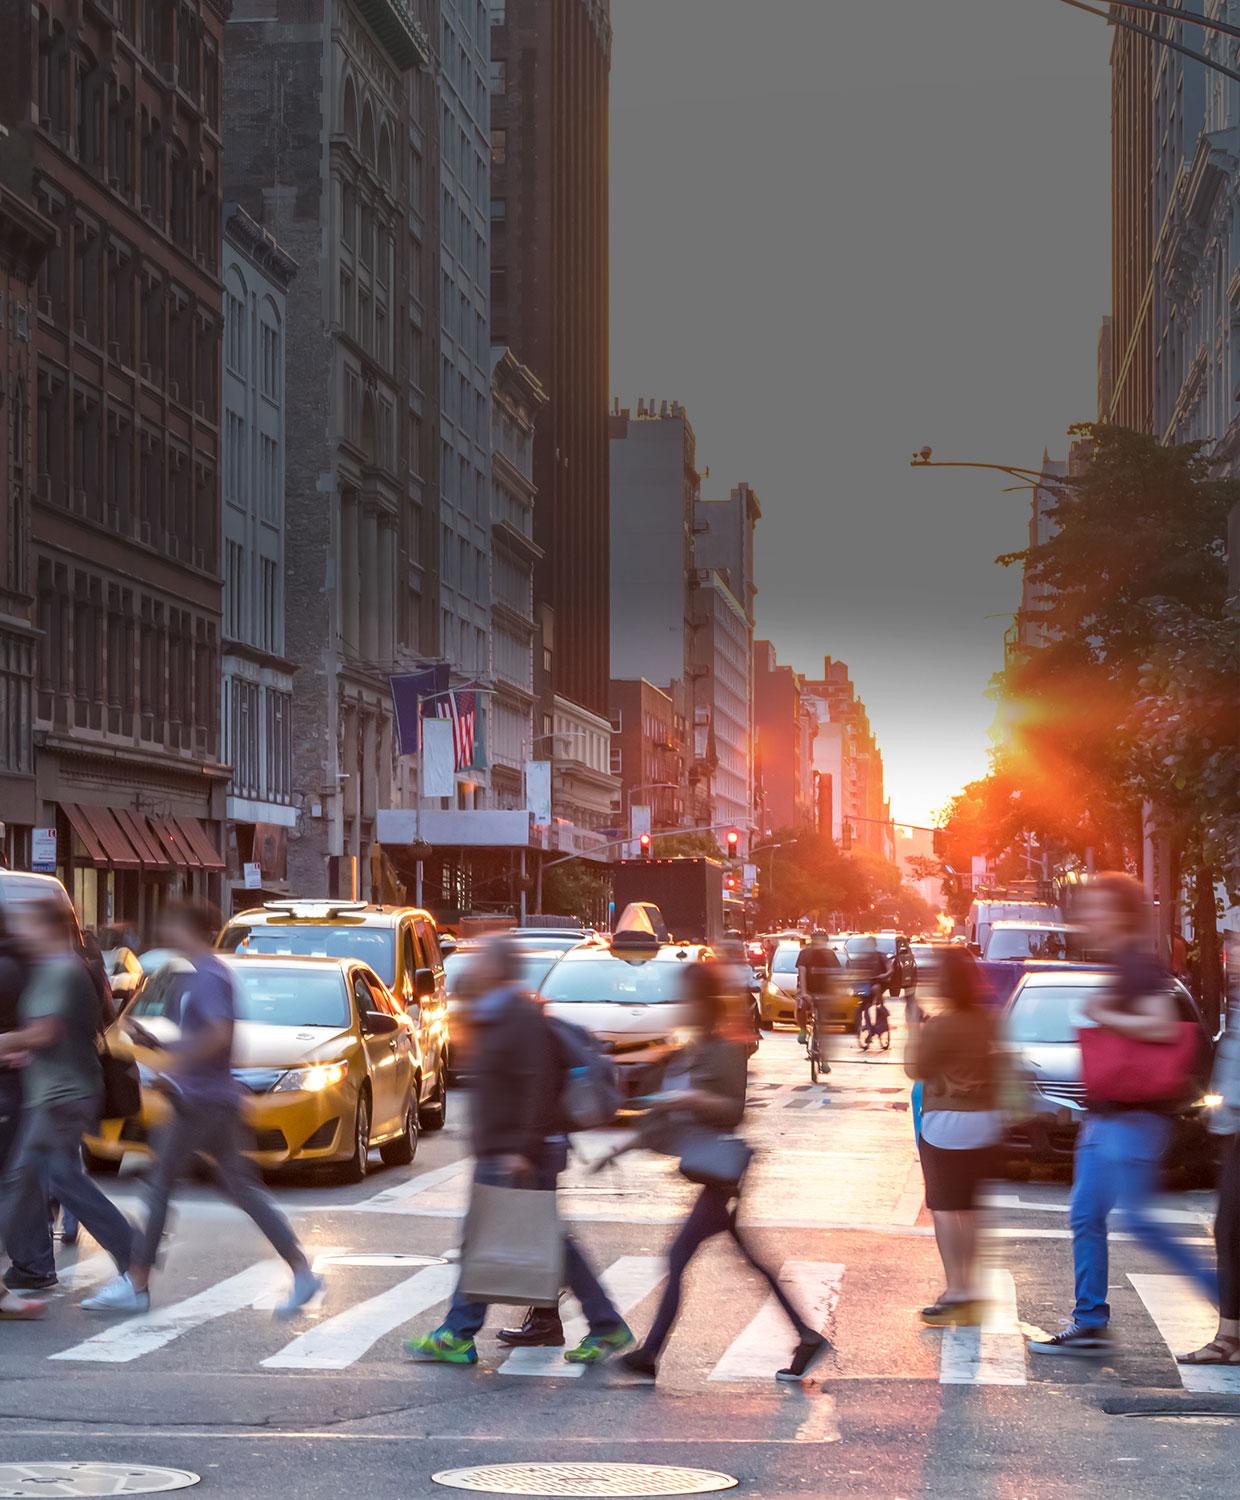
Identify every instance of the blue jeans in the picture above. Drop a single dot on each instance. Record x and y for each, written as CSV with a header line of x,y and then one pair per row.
x,y
29,1238
465,1318
1117,1162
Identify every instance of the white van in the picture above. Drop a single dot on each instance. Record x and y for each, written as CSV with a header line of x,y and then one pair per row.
x,y
984,914
18,887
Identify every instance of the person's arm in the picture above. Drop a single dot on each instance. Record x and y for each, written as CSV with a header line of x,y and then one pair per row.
x,y
924,1051
1152,1018
36,1036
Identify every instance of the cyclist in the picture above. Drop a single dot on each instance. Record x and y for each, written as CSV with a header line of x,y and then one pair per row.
x,y
871,968
818,968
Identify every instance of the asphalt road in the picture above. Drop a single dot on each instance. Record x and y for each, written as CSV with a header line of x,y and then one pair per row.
x,y
328,1406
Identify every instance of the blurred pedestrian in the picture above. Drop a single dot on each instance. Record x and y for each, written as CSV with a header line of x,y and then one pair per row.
x,y
741,982
1120,1146
870,969
1224,1347
62,1092
818,973
953,1053
519,1140
206,1120
703,1102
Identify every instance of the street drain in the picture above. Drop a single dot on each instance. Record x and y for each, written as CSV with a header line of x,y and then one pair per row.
x,y
585,1479
91,1479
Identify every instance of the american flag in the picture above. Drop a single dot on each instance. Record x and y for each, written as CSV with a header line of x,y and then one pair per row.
x,y
462,708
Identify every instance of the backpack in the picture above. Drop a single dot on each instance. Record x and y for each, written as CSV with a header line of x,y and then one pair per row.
x,y
590,1093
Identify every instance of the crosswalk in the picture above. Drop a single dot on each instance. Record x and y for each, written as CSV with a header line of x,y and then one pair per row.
x,y
745,1343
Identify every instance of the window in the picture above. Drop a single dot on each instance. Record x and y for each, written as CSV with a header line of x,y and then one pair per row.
x,y
499,147
234,588
496,8
271,362
499,76
271,600
499,210
234,333
269,479
234,459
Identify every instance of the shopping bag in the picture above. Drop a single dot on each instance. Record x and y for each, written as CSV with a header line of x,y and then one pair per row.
x,y
1126,1070
513,1250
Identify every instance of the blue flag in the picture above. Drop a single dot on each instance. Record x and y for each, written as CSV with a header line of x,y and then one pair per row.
x,y
409,692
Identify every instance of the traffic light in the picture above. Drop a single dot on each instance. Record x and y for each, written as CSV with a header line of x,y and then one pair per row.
x,y
643,843
734,839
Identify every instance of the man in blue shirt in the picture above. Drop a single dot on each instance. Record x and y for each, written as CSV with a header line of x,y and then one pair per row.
x,y
206,1120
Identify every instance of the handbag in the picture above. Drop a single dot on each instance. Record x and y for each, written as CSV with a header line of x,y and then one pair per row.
x,y
513,1251
122,1087
713,1159
1126,1070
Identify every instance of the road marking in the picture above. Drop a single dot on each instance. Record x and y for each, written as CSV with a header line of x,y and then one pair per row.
x,y
337,1342
814,1286
628,1281
1159,1211
143,1335
1186,1321
401,1199
994,1353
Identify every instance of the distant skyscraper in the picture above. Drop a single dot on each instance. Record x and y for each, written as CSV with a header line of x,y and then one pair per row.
x,y
550,61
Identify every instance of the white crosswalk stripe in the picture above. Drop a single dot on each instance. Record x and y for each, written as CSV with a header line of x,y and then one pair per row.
x,y
756,1353
994,1353
628,1282
337,1342
1186,1321
130,1340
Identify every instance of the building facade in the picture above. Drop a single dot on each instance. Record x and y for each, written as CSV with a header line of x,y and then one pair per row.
x,y
550,63
25,238
121,109
585,793
861,813
783,736
516,398
347,198
655,488
256,711
722,691
648,754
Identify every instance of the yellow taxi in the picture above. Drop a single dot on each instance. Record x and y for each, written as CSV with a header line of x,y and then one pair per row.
x,y
329,1062
400,943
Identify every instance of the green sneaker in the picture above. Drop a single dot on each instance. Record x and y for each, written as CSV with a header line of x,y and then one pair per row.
x,y
444,1347
596,1347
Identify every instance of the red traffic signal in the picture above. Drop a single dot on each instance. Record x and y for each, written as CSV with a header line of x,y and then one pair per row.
x,y
643,843
734,839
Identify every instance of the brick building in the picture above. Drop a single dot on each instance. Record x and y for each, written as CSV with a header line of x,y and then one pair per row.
x,y
120,105
648,753
550,64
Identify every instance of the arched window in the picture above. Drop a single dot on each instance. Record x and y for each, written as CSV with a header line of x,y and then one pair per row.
x,y
368,134
348,118
385,157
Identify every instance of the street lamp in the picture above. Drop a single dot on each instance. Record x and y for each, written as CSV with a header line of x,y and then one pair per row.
x,y
924,459
1172,13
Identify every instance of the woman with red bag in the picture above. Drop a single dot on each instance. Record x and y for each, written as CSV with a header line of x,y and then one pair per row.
x,y
1125,1133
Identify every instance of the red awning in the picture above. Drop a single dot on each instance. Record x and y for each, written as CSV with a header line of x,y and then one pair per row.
x,y
200,843
173,840
150,851
86,835
116,843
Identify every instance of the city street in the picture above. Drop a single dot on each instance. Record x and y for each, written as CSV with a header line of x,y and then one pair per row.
x,y
209,1383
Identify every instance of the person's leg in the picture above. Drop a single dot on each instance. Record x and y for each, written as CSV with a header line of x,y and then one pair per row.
x,y
947,1236
1227,1239
803,1331
1093,1197
175,1151
1144,1139
238,1178
75,1191
25,1231
600,1312
967,1222
708,1217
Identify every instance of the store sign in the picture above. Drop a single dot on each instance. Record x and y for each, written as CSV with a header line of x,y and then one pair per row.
x,y
43,849
253,874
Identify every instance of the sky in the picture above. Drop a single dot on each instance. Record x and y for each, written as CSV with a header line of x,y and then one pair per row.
x,y
842,230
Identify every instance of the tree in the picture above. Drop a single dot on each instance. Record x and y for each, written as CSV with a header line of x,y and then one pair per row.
x,y
685,846
576,889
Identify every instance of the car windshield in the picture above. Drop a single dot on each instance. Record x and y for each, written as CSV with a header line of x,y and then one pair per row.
x,y
886,945
615,981
786,956
375,946
533,967
279,996
562,942
1046,1013
1033,942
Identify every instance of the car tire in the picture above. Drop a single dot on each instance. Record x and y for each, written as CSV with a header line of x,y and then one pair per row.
x,y
355,1168
401,1151
434,1116
100,1166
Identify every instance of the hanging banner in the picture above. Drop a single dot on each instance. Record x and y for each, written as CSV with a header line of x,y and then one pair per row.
x,y
438,759
538,791
410,690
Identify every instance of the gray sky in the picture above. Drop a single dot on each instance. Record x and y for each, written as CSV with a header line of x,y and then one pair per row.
x,y
842,229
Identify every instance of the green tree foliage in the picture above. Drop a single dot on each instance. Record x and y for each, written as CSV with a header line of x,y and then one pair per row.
x,y
809,876
576,889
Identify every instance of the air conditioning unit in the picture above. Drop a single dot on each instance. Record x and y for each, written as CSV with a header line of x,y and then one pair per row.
x,y
174,390
114,352
80,502
200,409
145,370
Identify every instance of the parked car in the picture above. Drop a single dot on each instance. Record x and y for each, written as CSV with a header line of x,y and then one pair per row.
x,y
401,945
1041,1022
628,995
330,1061
124,970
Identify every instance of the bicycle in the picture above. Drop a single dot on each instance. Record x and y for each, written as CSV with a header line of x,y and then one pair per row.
x,y
813,1044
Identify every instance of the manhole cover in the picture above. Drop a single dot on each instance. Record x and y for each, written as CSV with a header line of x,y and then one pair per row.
x,y
91,1479
585,1480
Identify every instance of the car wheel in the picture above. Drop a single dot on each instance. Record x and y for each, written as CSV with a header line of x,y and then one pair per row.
x,y
100,1166
354,1170
401,1151
434,1116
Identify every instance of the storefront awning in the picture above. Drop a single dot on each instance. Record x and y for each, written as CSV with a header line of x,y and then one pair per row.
x,y
119,838
150,851
120,852
199,840
85,835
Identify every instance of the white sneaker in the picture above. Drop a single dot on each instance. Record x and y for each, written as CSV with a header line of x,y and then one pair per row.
x,y
306,1286
119,1296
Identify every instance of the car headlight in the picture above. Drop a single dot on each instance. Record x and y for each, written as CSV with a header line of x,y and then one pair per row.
x,y
682,1036
1210,1101
310,1080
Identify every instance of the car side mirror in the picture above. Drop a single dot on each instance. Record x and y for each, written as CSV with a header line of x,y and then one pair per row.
x,y
975,949
379,1023
424,984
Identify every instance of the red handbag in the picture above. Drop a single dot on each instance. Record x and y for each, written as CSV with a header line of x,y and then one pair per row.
x,y
1124,1070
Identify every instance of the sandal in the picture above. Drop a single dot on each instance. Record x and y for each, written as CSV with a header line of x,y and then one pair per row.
x,y
1220,1351
23,1308
945,1314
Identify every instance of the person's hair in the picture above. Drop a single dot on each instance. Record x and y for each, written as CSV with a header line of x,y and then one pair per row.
x,y
56,919
201,918
703,986
1126,897
959,981
503,958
